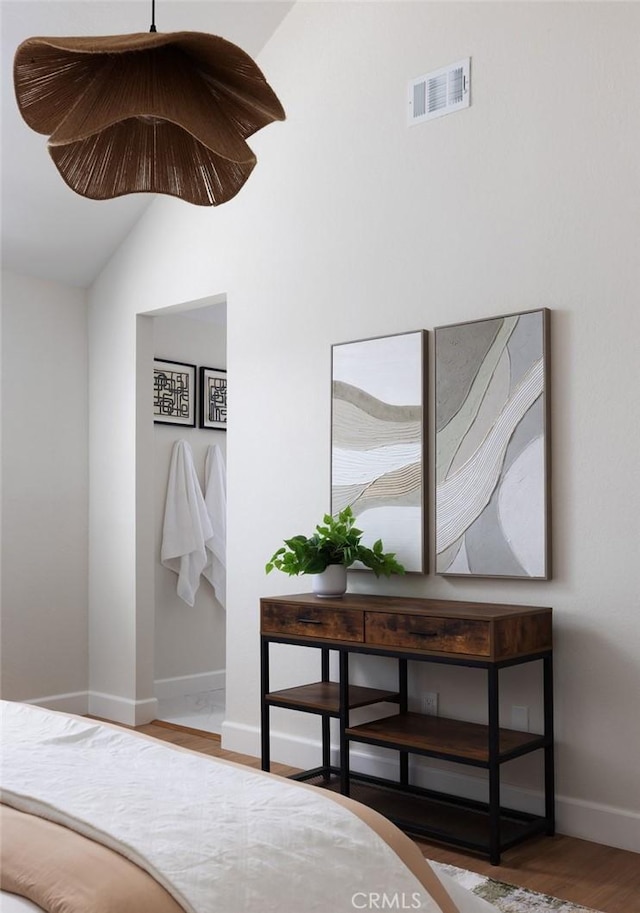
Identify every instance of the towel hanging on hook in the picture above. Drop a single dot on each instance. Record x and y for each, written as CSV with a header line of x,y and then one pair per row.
x,y
187,528
215,473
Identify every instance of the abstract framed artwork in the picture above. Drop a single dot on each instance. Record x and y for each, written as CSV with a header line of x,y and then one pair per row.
x,y
492,462
174,393
378,457
213,398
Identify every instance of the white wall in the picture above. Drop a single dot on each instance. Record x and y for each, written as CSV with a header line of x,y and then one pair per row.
x,y
353,225
44,493
189,640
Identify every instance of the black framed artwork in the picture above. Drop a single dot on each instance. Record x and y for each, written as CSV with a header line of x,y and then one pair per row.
x,y
213,398
174,393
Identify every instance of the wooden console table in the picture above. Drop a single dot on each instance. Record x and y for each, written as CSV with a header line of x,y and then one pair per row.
x,y
485,636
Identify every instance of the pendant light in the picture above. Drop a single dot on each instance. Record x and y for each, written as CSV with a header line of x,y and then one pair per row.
x,y
149,112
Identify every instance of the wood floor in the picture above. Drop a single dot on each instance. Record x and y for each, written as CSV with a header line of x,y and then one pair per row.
x,y
599,877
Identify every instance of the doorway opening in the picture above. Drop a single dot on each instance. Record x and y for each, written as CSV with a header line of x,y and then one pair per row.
x,y
189,640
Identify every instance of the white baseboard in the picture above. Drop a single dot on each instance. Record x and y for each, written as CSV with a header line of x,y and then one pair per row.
x,y
126,711
105,706
574,817
599,823
241,738
182,685
76,702
121,709
298,751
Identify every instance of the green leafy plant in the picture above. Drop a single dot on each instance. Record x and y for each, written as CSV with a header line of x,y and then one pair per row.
x,y
335,541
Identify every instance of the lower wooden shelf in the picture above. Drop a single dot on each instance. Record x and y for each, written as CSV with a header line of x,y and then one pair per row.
x,y
455,740
324,697
440,817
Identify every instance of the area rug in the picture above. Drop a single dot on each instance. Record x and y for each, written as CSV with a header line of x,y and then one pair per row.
x,y
507,897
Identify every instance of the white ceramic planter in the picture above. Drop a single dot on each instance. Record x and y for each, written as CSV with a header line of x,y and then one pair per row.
x,y
331,582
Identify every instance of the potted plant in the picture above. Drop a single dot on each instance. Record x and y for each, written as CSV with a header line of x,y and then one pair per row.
x,y
334,546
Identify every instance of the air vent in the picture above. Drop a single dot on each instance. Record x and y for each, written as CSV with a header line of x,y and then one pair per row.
x,y
441,92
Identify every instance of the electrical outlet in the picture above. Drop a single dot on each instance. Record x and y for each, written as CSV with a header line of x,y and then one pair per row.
x,y
520,718
430,703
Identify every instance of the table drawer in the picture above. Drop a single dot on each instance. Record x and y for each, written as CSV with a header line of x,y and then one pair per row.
x,y
417,632
313,621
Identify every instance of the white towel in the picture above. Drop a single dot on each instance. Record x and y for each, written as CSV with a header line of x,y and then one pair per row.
x,y
187,527
215,473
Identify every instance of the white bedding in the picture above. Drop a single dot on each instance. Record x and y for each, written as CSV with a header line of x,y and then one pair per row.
x,y
11,903
217,836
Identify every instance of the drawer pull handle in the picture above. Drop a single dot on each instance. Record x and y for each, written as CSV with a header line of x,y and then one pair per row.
x,y
425,633
309,621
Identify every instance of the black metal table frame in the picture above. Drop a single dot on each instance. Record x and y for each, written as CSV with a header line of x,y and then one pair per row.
x,y
535,823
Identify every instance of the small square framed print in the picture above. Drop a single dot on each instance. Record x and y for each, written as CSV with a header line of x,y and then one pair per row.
x,y
174,393
213,398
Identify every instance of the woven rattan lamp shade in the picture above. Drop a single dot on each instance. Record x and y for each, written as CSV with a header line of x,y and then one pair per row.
x,y
150,112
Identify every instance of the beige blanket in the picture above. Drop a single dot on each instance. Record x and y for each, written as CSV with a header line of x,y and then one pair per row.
x,y
60,870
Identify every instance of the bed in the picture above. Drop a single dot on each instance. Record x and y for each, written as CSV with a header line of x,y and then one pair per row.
x,y
98,819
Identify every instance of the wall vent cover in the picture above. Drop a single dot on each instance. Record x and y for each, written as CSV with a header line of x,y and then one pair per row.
x,y
440,92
